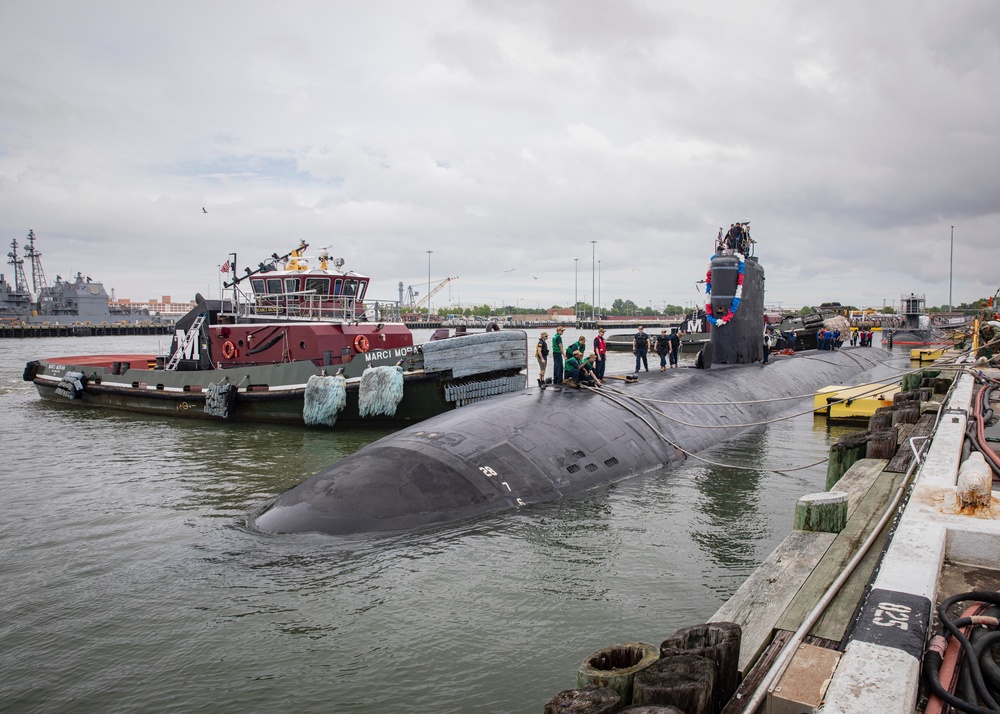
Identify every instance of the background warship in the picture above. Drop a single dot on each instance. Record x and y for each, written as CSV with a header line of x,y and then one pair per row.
x,y
79,301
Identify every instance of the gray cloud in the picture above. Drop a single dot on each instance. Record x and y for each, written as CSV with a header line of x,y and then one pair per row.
x,y
503,134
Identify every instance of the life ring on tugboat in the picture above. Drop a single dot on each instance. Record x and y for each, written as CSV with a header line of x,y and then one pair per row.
x,y
361,343
229,350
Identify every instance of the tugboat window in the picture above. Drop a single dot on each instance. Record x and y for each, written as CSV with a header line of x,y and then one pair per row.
x,y
274,285
257,285
338,286
291,285
318,286
362,285
350,287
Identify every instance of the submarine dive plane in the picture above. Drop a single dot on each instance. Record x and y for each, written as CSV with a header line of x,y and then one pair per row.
x,y
542,444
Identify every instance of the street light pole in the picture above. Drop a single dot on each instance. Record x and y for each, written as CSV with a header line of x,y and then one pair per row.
x,y
429,284
599,284
593,295
951,262
576,287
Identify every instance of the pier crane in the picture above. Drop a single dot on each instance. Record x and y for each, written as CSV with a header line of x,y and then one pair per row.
x,y
411,294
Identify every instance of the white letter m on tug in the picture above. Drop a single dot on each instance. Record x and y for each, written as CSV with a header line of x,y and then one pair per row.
x,y
188,346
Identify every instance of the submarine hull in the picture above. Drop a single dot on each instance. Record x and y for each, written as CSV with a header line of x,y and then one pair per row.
x,y
543,444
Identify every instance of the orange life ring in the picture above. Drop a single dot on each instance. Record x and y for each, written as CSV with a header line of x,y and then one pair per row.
x,y
229,350
361,343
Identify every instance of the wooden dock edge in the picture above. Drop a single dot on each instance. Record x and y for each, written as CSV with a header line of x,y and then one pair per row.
x,y
763,599
765,595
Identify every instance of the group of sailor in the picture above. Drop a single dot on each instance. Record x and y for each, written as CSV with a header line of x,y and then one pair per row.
x,y
736,240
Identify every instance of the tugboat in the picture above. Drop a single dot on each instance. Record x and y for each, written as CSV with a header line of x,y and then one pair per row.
x,y
917,330
293,341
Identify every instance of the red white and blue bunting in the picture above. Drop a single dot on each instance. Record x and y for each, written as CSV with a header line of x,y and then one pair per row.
x,y
735,305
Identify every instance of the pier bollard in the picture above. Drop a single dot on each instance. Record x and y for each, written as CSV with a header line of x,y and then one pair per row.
x,y
882,444
615,667
588,700
685,682
717,641
910,381
821,512
908,414
848,449
975,483
877,422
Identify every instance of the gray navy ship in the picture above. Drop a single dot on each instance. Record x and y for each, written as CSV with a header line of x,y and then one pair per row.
x,y
81,300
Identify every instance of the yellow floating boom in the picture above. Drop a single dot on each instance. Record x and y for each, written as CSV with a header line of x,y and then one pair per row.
x,y
926,355
853,402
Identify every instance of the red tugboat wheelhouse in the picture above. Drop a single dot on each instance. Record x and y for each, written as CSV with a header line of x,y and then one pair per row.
x,y
293,341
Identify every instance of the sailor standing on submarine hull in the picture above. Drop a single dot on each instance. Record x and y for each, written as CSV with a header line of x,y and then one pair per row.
x,y
640,346
557,356
601,352
542,355
675,345
663,349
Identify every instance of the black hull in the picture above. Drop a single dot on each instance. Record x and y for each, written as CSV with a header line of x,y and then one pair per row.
x,y
439,377
531,447
423,397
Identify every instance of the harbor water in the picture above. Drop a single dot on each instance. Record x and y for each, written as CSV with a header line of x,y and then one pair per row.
x,y
132,581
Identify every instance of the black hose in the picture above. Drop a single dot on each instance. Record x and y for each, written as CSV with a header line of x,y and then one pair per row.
x,y
991,671
932,669
951,628
972,435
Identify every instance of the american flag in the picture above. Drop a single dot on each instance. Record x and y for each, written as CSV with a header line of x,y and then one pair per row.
x,y
225,267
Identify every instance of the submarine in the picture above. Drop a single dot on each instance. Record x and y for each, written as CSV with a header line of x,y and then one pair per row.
x,y
542,444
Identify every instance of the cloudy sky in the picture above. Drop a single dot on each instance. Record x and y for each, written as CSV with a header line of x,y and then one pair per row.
x,y
505,136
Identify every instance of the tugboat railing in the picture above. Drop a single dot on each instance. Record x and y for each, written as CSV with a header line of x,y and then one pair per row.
x,y
307,305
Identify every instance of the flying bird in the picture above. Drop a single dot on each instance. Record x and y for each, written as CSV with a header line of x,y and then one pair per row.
x,y
535,277
203,210
510,271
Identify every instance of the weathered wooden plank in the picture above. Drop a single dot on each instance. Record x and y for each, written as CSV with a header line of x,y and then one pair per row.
x,y
858,479
474,354
837,617
833,624
901,461
767,593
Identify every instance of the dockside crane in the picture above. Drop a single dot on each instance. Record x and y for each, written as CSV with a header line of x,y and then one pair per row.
x,y
411,294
